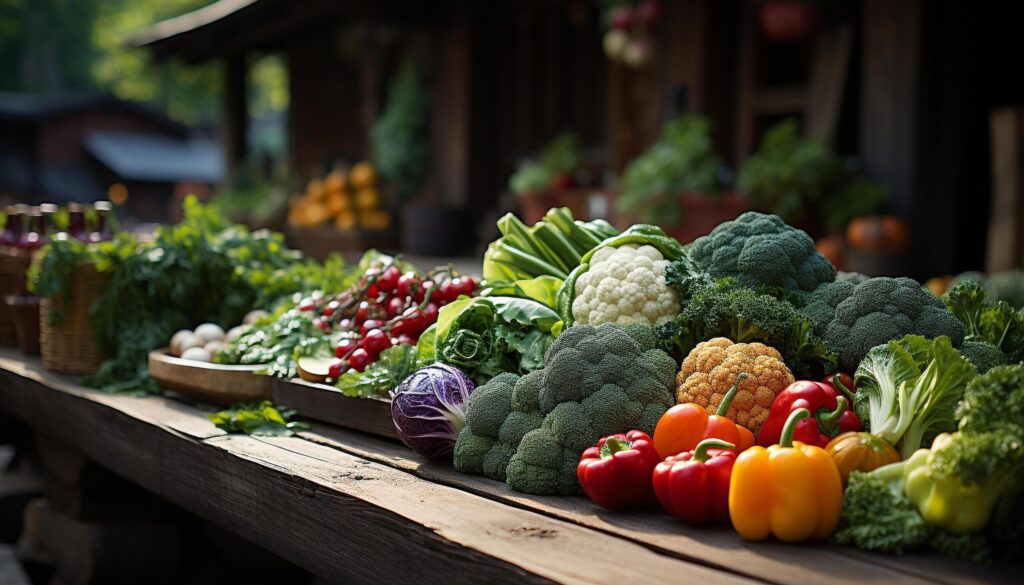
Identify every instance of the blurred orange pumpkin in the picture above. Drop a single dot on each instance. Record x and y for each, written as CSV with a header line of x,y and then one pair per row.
x,y
833,248
885,233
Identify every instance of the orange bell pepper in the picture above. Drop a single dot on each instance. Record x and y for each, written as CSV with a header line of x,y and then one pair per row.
x,y
790,490
683,426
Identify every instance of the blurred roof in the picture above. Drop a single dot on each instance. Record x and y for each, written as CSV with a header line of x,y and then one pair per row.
x,y
33,107
159,159
236,26
190,21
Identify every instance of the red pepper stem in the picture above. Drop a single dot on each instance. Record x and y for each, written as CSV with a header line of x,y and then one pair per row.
x,y
837,382
786,440
723,407
830,420
700,454
613,445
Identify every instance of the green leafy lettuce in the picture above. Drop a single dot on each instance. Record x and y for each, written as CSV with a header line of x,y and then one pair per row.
x,y
487,336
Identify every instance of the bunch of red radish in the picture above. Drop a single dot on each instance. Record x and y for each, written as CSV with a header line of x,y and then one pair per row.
x,y
385,308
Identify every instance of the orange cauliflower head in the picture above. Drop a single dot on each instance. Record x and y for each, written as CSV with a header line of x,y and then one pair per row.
x,y
710,370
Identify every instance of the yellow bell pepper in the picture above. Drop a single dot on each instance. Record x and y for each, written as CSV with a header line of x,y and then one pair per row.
x,y
790,490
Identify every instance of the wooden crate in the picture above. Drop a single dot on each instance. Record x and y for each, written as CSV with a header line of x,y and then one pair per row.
x,y
215,383
327,403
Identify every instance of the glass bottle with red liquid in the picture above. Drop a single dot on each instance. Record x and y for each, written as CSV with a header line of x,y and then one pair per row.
x,y
77,227
14,226
33,235
103,230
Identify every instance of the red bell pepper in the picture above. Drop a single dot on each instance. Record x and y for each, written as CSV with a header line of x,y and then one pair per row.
x,y
694,485
616,473
831,405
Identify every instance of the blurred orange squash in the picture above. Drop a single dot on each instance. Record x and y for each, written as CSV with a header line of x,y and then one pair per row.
x,y
887,232
363,175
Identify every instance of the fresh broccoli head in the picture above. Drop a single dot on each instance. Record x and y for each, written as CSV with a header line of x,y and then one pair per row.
x,y
725,309
853,318
761,250
597,381
500,413
983,355
995,323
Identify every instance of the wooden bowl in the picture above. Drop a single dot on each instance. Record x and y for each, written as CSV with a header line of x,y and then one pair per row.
x,y
216,383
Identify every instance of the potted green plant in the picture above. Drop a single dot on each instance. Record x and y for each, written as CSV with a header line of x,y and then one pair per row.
x,y
674,183
544,182
400,143
801,180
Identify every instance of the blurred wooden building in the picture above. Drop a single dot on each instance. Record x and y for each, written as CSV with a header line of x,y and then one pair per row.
x,y
907,87
76,146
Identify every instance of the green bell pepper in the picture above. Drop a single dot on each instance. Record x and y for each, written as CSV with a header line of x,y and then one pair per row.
x,y
943,500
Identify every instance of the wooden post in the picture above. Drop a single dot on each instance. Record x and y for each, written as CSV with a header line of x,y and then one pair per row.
x,y
236,112
889,96
1006,217
451,102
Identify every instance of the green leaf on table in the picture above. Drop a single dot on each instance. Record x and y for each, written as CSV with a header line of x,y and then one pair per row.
x,y
262,419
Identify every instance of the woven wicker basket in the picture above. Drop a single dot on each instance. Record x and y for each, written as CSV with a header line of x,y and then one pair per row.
x,y
13,265
69,347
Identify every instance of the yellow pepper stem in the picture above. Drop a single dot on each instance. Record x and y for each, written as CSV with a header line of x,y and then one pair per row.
x,y
723,407
786,440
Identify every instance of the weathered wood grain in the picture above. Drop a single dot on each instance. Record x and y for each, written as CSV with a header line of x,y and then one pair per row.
x,y
771,561
156,410
340,516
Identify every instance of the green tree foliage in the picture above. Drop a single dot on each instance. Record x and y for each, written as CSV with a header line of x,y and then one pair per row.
x,y
49,46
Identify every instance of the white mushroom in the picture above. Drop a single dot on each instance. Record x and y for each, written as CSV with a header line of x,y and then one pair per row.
x,y
176,340
210,332
188,342
197,354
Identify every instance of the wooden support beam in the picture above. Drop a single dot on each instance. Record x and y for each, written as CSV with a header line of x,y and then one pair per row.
x,y
236,111
1006,218
889,96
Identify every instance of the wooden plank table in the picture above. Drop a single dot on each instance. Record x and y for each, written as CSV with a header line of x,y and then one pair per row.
x,y
351,507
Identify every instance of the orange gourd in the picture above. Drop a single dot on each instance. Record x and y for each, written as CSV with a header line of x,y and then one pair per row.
x,y
859,451
887,232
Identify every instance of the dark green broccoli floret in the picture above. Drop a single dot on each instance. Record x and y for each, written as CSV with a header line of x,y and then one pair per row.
x,y
498,415
995,323
853,318
761,250
725,309
1007,285
596,381
983,355
877,516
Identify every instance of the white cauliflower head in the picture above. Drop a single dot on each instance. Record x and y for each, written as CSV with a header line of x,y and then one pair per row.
x,y
625,285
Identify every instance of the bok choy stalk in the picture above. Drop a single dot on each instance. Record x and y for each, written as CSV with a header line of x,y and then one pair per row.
x,y
548,251
908,390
